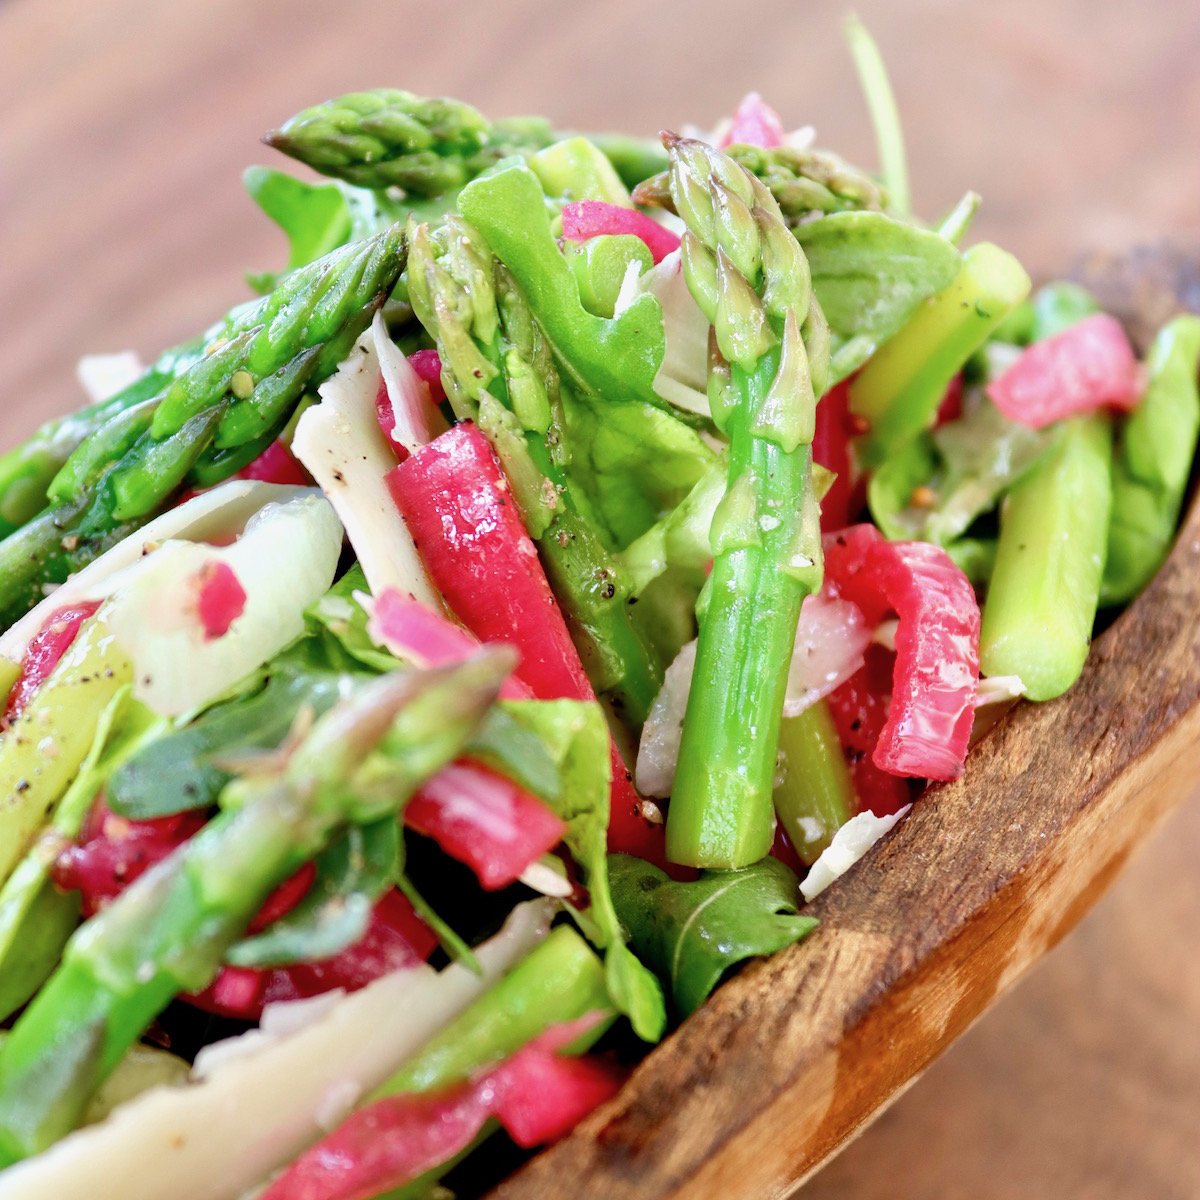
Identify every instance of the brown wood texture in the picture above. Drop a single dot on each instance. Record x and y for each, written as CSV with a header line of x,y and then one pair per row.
x,y
122,224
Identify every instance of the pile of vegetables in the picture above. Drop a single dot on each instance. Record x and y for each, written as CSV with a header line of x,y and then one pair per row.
x,y
427,683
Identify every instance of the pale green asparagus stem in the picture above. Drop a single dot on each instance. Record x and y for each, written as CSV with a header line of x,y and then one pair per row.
x,y
750,277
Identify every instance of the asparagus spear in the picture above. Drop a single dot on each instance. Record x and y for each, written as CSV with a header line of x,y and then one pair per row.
x,y
500,372
169,932
243,387
429,146
814,797
770,357
805,182
1153,462
899,390
1045,585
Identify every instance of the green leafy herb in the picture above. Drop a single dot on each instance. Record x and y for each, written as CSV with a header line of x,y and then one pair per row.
x,y
692,933
314,216
870,273
576,736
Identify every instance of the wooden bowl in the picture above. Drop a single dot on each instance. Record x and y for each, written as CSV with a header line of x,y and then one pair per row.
x,y
796,1054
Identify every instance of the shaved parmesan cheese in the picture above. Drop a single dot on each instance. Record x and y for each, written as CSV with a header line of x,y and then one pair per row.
x,y
216,515
998,689
103,375
345,451
284,561
994,696
682,378
226,1132
412,410
849,844
658,751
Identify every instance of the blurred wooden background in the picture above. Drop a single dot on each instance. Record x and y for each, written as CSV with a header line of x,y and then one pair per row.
x,y
125,127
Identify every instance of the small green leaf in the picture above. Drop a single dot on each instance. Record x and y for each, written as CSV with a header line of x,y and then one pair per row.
x,y
870,272
616,359
692,933
314,216
576,735
967,464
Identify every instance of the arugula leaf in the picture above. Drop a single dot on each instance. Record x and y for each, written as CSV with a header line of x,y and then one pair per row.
x,y
351,874
692,933
314,216
870,272
576,735
340,616
634,461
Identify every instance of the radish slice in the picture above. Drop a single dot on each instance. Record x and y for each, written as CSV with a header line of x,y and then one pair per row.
x,y
755,123
587,219
1087,366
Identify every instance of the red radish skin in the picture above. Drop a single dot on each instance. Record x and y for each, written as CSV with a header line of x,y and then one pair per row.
x,y
428,366
755,123
276,465
831,449
860,708
1089,366
484,820
456,502
220,599
43,654
928,726
587,219
537,1096
951,407
114,851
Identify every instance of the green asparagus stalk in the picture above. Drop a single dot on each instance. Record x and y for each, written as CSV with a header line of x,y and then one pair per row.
x,y
805,182
170,930
899,390
41,753
244,386
560,981
814,796
1153,462
35,918
1045,585
430,146
500,373
770,351
387,138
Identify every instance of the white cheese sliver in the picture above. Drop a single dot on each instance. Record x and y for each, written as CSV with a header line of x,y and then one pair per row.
x,y
221,512
341,444
849,844
224,1134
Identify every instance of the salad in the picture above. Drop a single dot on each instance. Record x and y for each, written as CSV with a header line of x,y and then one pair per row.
x,y
424,686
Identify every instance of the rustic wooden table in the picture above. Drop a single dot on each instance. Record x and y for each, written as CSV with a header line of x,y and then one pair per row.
x,y
122,224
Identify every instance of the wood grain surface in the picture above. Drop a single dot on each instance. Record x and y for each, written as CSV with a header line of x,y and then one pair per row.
x,y
122,224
